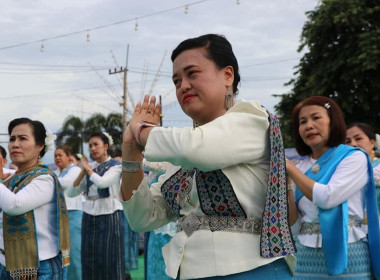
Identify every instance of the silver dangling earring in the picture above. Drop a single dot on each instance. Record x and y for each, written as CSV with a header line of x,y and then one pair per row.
x,y
229,99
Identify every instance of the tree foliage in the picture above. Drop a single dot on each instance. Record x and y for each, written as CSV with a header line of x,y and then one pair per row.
x,y
341,44
71,134
75,132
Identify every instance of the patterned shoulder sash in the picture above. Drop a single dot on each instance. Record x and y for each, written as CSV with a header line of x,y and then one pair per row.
x,y
276,237
20,236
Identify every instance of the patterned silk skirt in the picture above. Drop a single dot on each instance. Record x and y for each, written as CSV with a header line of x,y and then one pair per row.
x,y
311,263
103,247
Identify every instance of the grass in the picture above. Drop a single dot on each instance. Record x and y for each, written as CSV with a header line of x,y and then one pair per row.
x,y
139,273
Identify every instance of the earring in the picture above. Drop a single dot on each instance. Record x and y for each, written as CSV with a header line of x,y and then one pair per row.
x,y
195,124
229,99
372,155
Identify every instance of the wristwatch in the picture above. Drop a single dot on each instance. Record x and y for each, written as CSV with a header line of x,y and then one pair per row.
x,y
139,127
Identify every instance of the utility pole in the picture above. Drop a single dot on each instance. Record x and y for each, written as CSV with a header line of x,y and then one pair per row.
x,y
125,88
161,115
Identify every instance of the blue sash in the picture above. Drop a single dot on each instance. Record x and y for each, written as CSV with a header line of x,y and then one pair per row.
x,y
373,221
64,172
375,163
100,170
334,222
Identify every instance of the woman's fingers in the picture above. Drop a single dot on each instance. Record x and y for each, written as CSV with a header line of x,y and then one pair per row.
x,y
147,106
157,110
145,103
147,111
151,105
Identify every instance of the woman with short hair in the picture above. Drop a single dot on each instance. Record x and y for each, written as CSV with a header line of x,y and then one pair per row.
x,y
334,191
35,221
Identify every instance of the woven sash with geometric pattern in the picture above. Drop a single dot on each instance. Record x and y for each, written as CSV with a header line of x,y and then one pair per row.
x,y
215,192
276,237
216,195
177,189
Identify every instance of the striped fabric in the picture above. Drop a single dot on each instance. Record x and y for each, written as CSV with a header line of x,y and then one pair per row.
x,y
311,263
103,247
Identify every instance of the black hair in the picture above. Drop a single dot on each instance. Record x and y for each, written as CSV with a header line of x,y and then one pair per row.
x,y
39,131
3,152
101,136
366,128
218,49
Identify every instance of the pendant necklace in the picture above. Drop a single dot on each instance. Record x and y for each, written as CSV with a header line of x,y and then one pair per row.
x,y
316,167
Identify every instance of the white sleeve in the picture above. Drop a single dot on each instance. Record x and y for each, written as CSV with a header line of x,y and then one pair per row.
x,y
68,180
240,136
147,209
155,167
37,193
75,191
109,178
350,176
376,175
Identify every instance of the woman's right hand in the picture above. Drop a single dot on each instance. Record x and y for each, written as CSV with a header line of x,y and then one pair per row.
x,y
85,166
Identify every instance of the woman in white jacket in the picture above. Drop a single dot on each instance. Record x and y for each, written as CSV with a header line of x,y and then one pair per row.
x,y
218,184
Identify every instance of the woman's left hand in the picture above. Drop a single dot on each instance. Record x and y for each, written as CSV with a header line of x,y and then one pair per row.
x,y
289,165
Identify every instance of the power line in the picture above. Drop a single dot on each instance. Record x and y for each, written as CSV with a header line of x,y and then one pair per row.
x,y
69,91
49,65
34,72
101,26
270,62
108,84
65,69
97,104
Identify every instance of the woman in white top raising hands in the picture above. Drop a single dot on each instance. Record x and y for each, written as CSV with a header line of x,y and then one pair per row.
x,y
102,224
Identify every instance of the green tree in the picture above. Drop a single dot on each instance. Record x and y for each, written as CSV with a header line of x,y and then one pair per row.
x,y
75,132
95,123
71,134
112,124
341,44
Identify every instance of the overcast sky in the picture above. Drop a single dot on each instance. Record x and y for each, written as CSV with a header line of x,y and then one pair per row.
x,y
55,56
